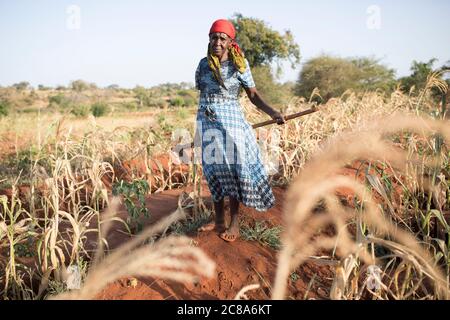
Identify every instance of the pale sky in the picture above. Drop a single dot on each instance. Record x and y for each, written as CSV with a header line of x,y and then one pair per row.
x,y
152,42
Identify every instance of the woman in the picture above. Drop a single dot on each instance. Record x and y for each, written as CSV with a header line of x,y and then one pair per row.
x,y
231,158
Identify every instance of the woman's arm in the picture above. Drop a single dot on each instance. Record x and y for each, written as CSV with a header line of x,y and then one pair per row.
x,y
257,100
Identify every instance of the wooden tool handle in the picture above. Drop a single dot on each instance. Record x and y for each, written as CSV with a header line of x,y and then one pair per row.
x,y
265,123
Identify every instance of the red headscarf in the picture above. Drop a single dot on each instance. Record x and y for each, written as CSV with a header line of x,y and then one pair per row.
x,y
226,27
223,26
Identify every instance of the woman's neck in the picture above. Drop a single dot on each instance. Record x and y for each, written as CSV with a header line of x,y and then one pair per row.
x,y
224,57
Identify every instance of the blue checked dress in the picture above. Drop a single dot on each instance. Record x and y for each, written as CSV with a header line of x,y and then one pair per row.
x,y
230,156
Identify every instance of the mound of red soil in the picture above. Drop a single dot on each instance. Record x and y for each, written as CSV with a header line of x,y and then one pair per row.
x,y
160,168
238,264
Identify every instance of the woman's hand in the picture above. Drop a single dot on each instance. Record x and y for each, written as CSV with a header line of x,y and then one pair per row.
x,y
276,115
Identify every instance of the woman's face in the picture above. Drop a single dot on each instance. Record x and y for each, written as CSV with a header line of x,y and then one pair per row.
x,y
219,43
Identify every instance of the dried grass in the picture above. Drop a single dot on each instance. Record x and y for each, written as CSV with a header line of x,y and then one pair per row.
x,y
318,182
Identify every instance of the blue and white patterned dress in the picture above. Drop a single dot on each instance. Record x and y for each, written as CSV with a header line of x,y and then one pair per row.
x,y
231,157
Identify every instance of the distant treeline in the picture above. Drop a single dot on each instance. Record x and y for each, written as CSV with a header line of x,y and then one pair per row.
x,y
81,98
320,78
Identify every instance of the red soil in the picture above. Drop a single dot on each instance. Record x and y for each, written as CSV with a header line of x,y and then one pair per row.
x,y
10,143
238,264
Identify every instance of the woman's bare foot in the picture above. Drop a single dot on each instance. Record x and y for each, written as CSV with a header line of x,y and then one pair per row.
x,y
212,226
230,234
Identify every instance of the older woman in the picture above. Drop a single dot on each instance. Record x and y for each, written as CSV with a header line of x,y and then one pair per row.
x,y
231,158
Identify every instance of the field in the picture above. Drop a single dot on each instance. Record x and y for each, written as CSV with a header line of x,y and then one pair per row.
x,y
93,205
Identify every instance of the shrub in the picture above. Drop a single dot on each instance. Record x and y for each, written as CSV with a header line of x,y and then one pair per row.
x,y
158,103
99,109
182,114
130,106
42,87
271,91
177,102
4,108
142,95
113,87
80,110
134,196
79,85
28,110
187,93
189,101
21,85
334,75
59,100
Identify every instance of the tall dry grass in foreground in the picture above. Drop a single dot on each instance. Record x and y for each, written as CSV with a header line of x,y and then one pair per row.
x,y
410,269
173,258
396,239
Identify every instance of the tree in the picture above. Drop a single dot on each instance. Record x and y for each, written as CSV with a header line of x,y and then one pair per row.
x,y
330,74
79,85
21,85
262,45
275,93
373,75
446,70
142,95
99,109
419,74
334,75
42,87
113,87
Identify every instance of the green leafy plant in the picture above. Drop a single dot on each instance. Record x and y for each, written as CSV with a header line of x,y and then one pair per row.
x,y
133,192
4,108
262,233
99,109
165,126
294,276
182,114
190,225
80,110
60,101
333,76
177,102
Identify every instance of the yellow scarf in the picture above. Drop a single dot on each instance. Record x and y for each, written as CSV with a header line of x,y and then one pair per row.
x,y
237,57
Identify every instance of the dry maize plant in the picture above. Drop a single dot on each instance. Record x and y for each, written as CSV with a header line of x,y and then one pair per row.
x,y
375,256
299,138
73,193
69,180
172,257
15,229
